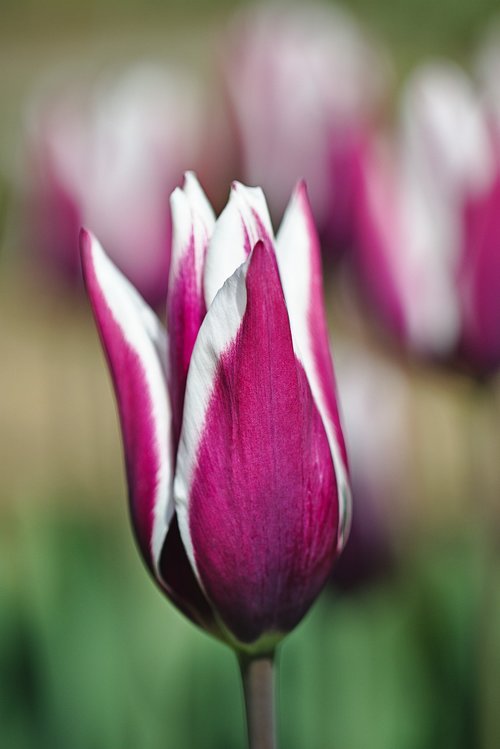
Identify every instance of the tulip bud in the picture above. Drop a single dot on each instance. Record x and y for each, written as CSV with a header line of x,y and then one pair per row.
x,y
235,458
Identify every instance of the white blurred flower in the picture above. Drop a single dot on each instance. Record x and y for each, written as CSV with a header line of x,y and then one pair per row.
x,y
109,156
303,82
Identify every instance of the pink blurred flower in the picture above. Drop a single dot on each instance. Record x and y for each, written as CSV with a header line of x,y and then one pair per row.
x,y
370,388
303,84
109,156
428,228
235,458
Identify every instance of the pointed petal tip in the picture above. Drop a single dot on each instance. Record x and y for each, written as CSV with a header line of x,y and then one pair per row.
x,y
91,250
260,250
197,199
301,195
263,262
299,210
301,187
239,190
85,241
90,254
190,187
191,182
176,196
190,176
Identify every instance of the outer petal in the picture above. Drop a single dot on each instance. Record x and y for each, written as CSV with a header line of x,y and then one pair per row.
x,y
299,260
479,282
193,223
244,221
134,343
446,156
403,249
255,486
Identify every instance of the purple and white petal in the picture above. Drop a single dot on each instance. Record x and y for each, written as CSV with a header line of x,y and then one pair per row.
x,y
134,343
446,157
446,133
218,331
479,284
299,260
244,221
255,487
193,222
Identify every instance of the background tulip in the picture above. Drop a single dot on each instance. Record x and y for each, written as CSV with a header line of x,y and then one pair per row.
x,y
304,85
108,155
380,460
427,230
235,458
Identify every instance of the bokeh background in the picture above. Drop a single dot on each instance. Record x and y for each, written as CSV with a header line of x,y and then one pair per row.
x,y
402,651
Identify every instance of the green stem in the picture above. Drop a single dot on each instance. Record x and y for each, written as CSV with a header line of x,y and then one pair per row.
x,y
258,677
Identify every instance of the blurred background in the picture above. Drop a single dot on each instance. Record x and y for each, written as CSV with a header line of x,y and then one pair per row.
x,y
391,111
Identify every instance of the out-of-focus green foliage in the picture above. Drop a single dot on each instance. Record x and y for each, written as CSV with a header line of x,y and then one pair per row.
x,y
411,27
92,656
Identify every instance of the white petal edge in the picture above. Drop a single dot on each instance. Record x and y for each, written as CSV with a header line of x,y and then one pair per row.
x,y
227,249
145,334
191,214
293,252
218,330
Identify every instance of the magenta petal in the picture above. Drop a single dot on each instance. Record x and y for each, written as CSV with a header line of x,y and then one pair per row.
x,y
299,258
193,223
316,318
480,282
180,583
185,313
134,344
378,216
263,509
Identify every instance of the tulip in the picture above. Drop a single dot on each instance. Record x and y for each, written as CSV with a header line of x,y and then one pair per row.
x,y
109,155
480,273
304,86
235,458
428,230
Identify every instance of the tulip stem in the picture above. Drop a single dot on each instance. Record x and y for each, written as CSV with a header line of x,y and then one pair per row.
x,y
258,677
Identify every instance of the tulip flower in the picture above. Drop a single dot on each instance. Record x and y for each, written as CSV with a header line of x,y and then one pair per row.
x,y
428,228
235,459
304,85
108,155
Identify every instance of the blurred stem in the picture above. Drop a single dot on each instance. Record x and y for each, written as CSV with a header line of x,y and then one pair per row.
x,y
258,677
485,481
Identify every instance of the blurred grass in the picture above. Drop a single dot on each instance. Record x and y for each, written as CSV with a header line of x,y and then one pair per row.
x,y
92,656
411,28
